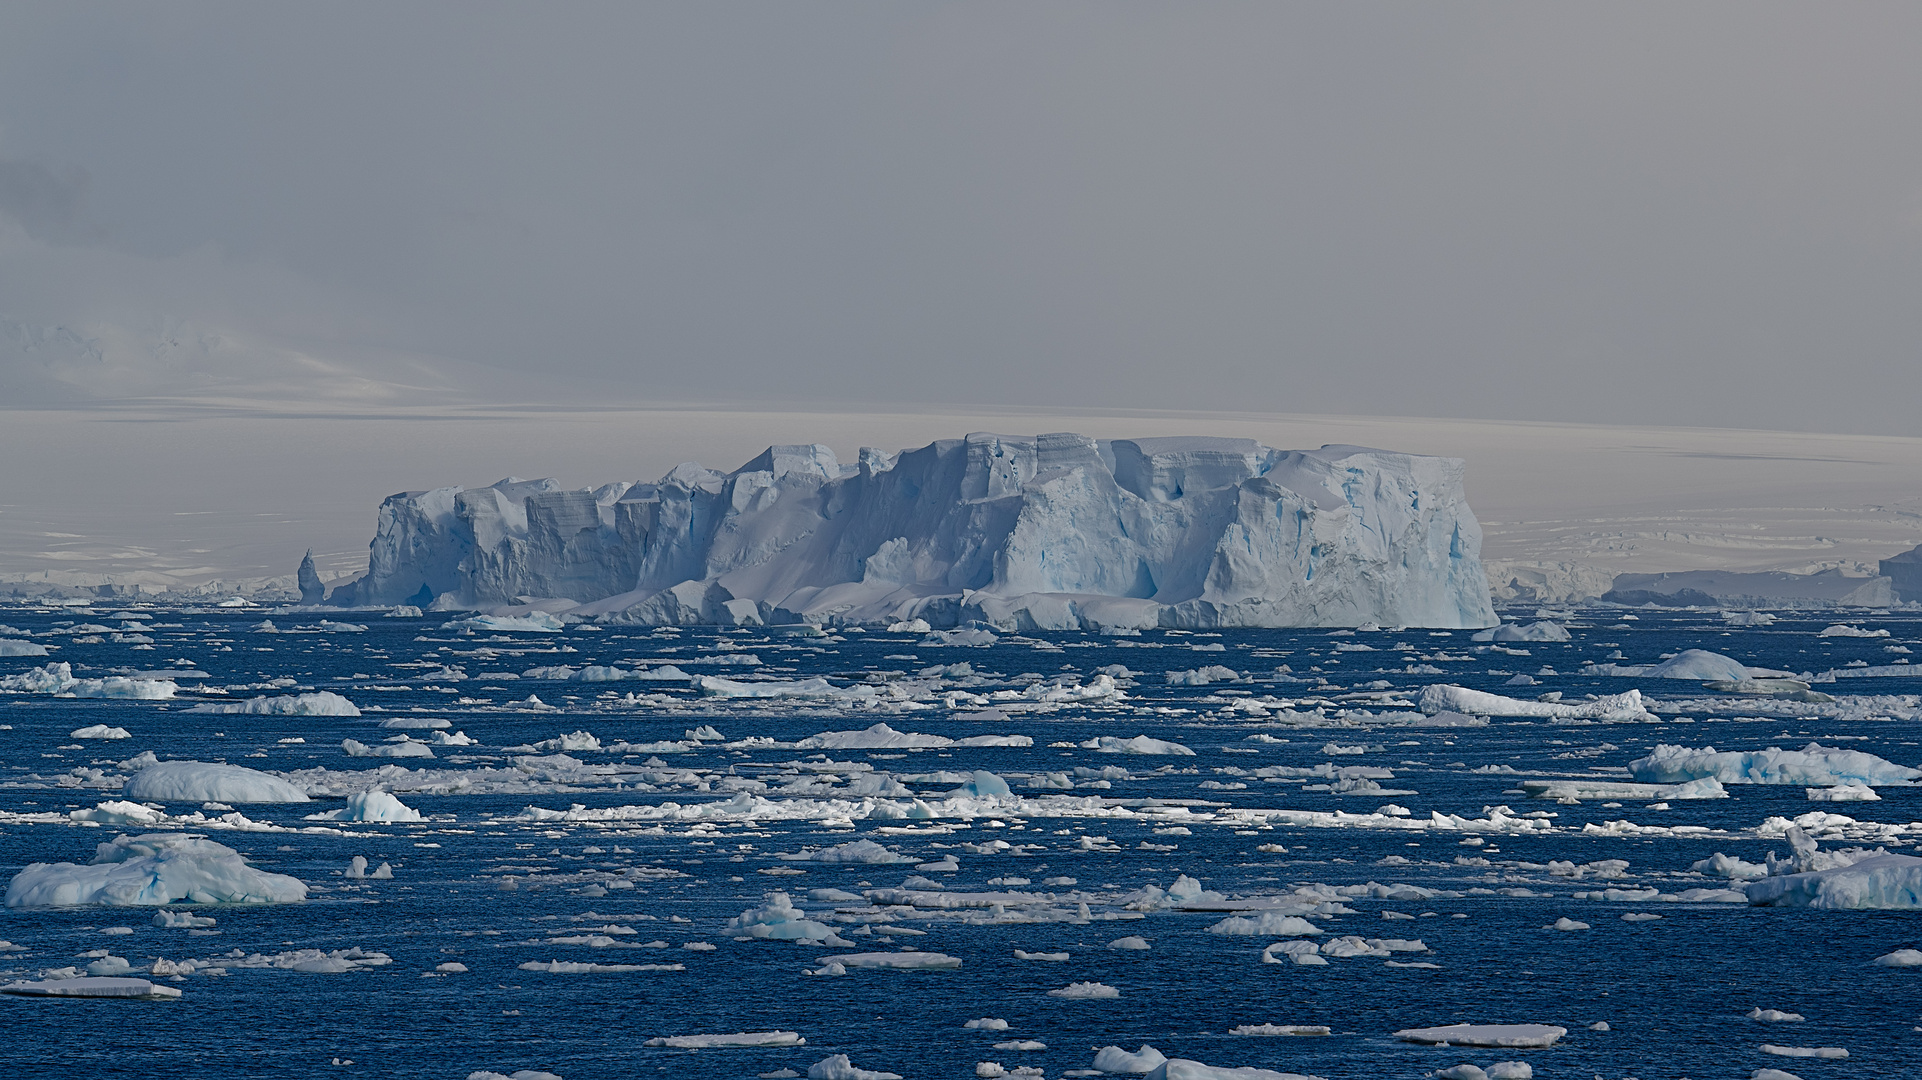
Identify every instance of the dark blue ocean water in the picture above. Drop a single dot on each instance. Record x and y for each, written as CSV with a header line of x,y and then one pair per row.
x,y
1673,991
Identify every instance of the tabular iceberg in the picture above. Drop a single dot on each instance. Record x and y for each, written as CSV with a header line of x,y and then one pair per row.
x,y
1035,532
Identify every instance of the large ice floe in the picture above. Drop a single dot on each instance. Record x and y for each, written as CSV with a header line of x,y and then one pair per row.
x,y
1046,532
149,871
1444,698
203,781
322,703
58,679
1814,765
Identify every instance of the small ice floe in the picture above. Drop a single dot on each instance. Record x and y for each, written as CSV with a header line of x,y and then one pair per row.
x,y
1130,943
1772,1074
838,1067
566,967
1540,631
1446,698
92,987
896,961
357,870
1113,1059
1501,1070
1814,765
1086,991
1502,1035
1050,957
1898,958
719,1042
404,749
99,731
320,703
1021,1045
779,920
1279,1029
1845,630
1566,923
181,920
1140,744
987,1023
1640,916
1777,1016
517,1074
1832,1053
370,806
1850,792
1267,924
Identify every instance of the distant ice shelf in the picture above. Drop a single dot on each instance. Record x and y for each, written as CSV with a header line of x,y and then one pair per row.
x,y
1041,532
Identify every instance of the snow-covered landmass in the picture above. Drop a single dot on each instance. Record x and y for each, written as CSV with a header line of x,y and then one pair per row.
x,y
202,781
149,871
1055,532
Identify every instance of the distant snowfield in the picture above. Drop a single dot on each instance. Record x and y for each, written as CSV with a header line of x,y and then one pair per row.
x,y
168,494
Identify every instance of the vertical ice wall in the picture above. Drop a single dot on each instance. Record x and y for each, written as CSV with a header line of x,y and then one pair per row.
x,y
1042,531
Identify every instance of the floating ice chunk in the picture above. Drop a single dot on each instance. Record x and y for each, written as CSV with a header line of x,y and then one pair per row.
x,y
1876,882
1130,944
910,626
452,967
373,805
854,851
1845,630
1898,958
1540,631
970,637
1777,1016
1446,698
1506,1035
1184,1069
152,870
1213,673
1140,744
1813,765
1851,792
983,785
517,1074
321,703
1086,991
1279,1029
568,967
878,737
181,920
838,1067
119,812
1048,957
896,961
1700,665
1462,1072
987,1023
201,781
1113,1059
136,989
58,679
1511,1070
17,647
718,1042
779,920
357,870
99,731
1706,788
1566,923
416,723
1826,1052
356,748
538,622
1267,924
704,733
1772,1074
718,687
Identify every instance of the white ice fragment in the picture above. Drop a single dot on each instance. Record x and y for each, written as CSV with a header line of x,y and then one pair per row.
x,y
1130,944
1899,958
138,989
1140,744
1832,1053
838,1067
99,731
356,748
1813,765
1505,1035
1114,1059
896,961
717,1042
321,703
375,805
1086,991
1877,882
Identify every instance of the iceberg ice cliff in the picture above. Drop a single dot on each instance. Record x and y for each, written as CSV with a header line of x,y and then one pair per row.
x,y
1031,532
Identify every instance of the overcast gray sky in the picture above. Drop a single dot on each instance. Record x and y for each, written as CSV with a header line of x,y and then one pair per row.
x,y
1669,213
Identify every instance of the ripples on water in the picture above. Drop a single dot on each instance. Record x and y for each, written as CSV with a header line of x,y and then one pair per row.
x,y
484,884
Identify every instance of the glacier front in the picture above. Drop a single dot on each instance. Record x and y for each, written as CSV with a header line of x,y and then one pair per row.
x,y
1041,532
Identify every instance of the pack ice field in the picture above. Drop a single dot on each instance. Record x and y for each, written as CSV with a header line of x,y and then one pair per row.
x,y
1593,842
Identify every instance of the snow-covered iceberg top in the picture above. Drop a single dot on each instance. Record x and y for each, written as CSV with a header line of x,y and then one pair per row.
x,y
150,871
1054,531
1879,881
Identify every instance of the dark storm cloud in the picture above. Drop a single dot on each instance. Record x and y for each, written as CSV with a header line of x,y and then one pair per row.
x,y
1655,213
